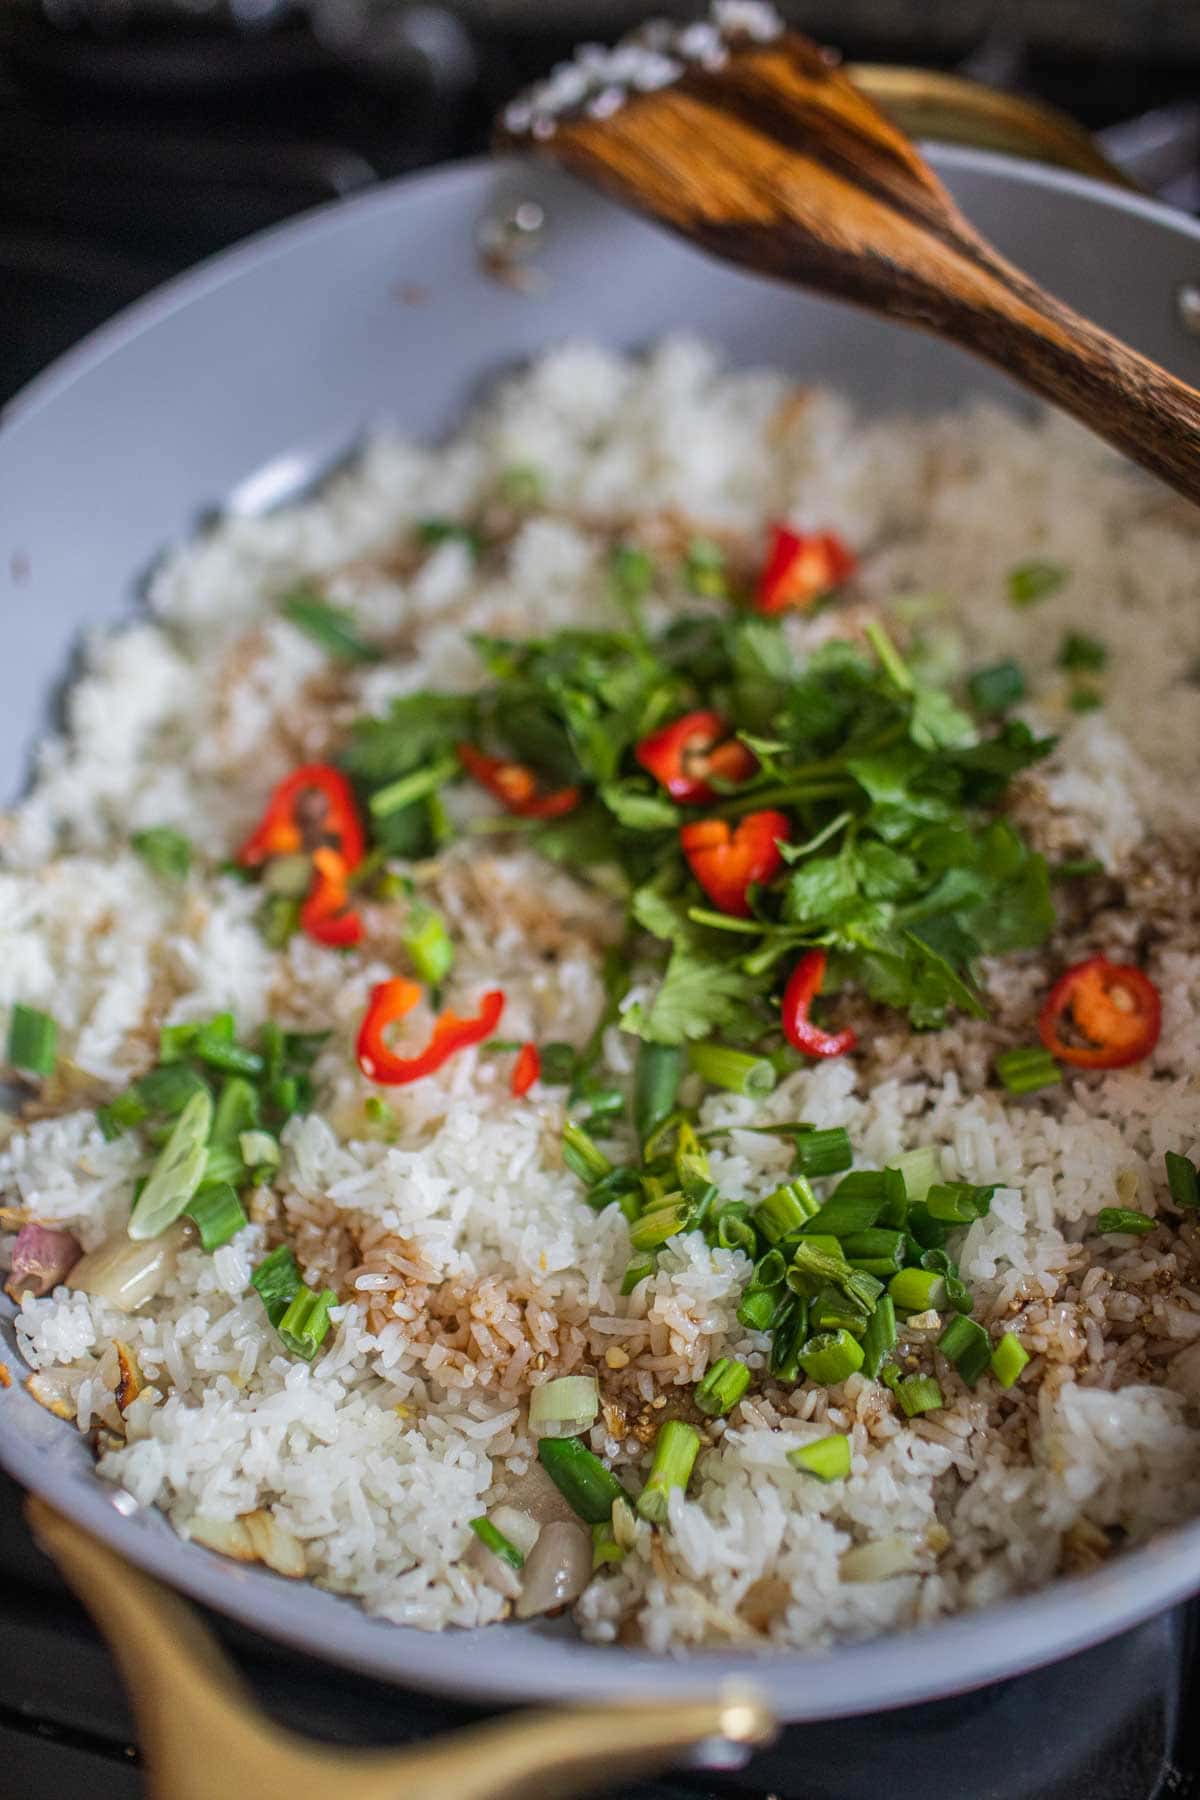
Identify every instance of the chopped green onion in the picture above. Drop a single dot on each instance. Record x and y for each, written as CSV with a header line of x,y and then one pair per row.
x,y
569,1399
437,531
582,1156
833,1309
661,1222
588,1488
758,1308
820,1153
177,1172
277,1282
278,921
830,1357
288,876
1035,580
636,1272
655,1085
968,1347
605,1548
813,1266
789,1333
620,1185
32,1040
305,1324
959,1202
919,1168
164,850
428,944
722,1387
259,1150
733,1228
879,1339
558,1062
850,1209
704,569
674,1454
217,1214
786,1210
735,1070
216,1045
1183,1179
827,1458
1124,1219
493,1539
1085,699
631,573
121,1114
168,1088
1008,1359
237,1111
995,689
175,1042
890,659
522,484
1078,653
927,1233
919,1394
409,788
876,1252
918,1290
330,626
1026,1069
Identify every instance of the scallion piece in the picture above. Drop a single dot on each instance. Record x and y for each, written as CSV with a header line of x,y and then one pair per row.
x,y
704,569
1008,1359
920,1169
217,1214
428,944
177,1172
722,1387
639,1270
675,1451
558,1062
121,1114
758,1308
655,1084
879,1339
661,1222
1026,1069
832,1309
734,1070
967,1346
877,1252
733,1228
278,921
1080,653
789,1333
813,1266
827,1458
959,1202
175,1042
850,1209
588,1488
786,1210
820,1153
277,1282
164,850
1035,580
168,1088
830,1357
332,627
409,788
995,689
216,1045
259,1150
918,1290
1126,1219
305,1324
493,1539
32,1040
582,1156
1183,1179
605,1548
919,1394
567,1400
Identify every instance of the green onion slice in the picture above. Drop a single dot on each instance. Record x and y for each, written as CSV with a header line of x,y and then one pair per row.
x,y
919,1169
581,1478
32,1040
568,1400
305,1324
1080,653
879,1339
1125,1219
277,1282
428,944
332,627
786,1210
675,1451
1026,1069
1008,1359
177,1172
1035,580
734,1070
827,1458
493,1539
164,850
259,1150
722,1387
217,1214
918,1290
995,689
830,1357
967,1346
919,1394
820,1153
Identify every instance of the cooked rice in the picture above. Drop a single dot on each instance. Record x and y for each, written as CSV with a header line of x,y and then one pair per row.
x,y
468,1265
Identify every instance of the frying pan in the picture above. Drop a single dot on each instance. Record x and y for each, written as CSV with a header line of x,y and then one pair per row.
x,y
242,383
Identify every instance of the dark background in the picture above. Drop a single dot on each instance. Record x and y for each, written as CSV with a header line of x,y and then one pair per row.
x,y
137,136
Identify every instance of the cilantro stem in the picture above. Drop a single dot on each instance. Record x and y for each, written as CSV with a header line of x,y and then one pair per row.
x,y
789,794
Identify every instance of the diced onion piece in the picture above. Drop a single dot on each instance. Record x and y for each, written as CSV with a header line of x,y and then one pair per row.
x,y
128,1272
520,1528
558,1569
569,1403
880,1560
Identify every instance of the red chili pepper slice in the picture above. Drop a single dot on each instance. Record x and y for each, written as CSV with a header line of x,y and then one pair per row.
x,y
687,751
1116,1008
800,567
526,1070
515,786
327,914
726,863
803,986
389,1002
312,806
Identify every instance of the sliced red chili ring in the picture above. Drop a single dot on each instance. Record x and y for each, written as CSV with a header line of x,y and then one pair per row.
x,y
516,786
1115,1010
803,986
728,862
326,914
526,1070
390,1001
800,567
313,807
683,755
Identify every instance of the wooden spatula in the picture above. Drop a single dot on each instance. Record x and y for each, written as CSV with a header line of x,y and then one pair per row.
x,y
745,139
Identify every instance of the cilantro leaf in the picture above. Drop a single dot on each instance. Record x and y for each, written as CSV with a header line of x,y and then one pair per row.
x,y
638,810
699,996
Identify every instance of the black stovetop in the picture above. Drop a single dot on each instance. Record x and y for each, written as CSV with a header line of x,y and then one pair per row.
x,y
126,155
